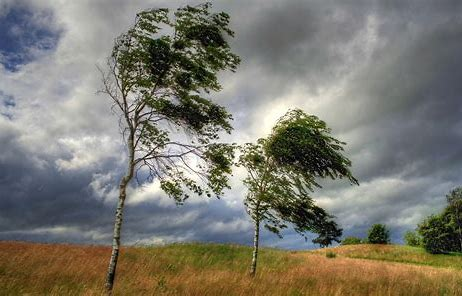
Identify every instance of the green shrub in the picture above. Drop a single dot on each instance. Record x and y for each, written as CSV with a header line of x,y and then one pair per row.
x,y
351,240
330,254
413,239
378,234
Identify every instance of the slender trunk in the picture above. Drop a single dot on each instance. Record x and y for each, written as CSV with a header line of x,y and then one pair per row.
x,y
253,267
116,236
460,232
118,217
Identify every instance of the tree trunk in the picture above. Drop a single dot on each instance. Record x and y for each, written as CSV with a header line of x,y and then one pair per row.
x,y
119,213
460,239
460,232
253,267
116,237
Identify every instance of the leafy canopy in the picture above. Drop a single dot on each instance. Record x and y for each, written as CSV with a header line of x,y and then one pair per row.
x,y
281,175
328,232
160,83
378,234
441,233
438,234
303,143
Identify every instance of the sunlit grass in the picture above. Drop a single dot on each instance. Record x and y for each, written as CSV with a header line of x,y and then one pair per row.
x,y
214,269
398,253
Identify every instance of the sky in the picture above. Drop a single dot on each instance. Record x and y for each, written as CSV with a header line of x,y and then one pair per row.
x,y
384,75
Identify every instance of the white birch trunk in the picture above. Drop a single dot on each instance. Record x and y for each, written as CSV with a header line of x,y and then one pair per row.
x,y
119,214
116,237
253,267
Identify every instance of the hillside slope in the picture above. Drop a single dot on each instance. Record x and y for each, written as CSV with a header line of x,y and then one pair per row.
x,y
397,253
209,269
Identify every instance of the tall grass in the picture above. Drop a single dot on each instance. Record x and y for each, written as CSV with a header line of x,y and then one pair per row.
x,y
209,269
403,254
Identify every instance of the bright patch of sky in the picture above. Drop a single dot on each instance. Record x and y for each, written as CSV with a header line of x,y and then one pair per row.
x,y
25,35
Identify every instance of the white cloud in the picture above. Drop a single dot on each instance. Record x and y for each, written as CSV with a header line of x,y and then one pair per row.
x,y
103,187
237,225
149,192
86,152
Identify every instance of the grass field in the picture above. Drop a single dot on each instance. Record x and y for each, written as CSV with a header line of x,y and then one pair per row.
x,y
210,269
397,253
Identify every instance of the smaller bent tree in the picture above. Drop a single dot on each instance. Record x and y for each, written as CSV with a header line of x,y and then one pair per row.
x,y
282,172
159,85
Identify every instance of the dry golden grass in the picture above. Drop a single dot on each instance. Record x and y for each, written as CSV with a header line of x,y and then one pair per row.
x,y
206,269
397,253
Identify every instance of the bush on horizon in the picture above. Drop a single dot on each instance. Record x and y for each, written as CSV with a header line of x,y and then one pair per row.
x,y
378,234
351,240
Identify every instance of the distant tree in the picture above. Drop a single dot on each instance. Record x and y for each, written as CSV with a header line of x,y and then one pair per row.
x,y
412,239
281,175
351,240
159,85
378,234
442,233
438,234
454,210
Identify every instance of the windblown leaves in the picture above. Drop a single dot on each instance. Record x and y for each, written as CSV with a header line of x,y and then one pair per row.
x,y
282,171
303,143
164,68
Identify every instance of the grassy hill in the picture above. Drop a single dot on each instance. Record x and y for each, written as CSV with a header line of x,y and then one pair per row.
x,y
211,269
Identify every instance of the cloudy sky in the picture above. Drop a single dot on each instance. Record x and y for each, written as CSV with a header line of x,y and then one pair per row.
x,y
385,76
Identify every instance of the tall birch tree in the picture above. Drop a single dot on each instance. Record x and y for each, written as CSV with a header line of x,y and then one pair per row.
x,y
282,172
160,75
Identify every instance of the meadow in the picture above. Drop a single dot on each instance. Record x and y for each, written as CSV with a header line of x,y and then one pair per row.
x,y
216,269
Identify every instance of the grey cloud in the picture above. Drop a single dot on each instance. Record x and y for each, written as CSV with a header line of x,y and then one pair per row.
x,y
383,74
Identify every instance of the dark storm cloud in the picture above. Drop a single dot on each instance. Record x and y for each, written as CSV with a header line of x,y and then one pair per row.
x,y
409,103
288,43
385,75
403,107
46,204
35,194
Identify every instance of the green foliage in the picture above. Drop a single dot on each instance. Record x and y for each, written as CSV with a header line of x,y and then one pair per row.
x,y
279,186
351,240
303,143
413,239
204,256
328,232
161,73
454,211
442,233
330,254
378,234
438,234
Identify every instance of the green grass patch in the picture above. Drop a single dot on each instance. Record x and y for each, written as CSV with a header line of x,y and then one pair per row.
x,y
402,254
222,256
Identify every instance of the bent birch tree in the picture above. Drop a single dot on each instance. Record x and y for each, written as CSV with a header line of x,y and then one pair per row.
x,y
159,85
281,173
